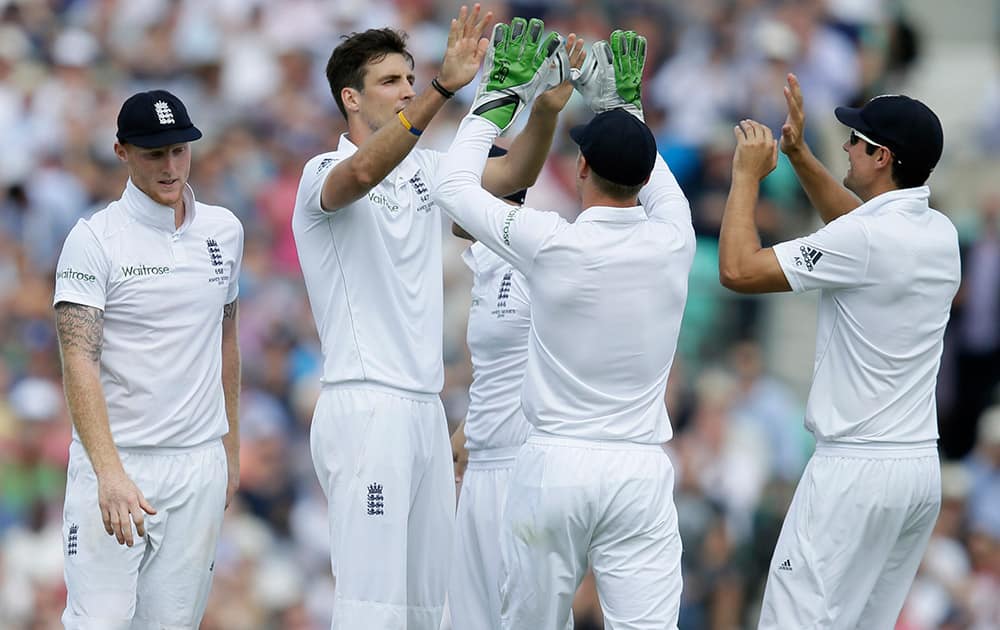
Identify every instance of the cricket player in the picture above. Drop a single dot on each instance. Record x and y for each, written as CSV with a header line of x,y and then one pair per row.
x,y
368,236
592,482
494,427
145,302
887,268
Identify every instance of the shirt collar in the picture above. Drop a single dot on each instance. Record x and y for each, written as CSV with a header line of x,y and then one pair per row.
x,y
139,205
406,169
607,214
346,146
915,199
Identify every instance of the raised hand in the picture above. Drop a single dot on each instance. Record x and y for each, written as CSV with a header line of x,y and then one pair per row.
x,y
466,48
792,131
122,503
612,78
519,65
556,98
756,150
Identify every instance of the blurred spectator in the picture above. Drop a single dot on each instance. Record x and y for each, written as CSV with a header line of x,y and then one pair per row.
x,y
975,333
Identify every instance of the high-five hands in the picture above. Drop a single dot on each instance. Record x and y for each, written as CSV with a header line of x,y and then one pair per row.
x,y
556,98
466,48
756,150
792,131
519,65
612,77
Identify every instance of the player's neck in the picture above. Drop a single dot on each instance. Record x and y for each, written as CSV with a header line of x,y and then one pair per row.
x,y
593,197
179,213
879,187
358,131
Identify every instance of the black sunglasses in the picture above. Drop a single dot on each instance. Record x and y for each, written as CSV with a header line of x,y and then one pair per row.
x,y
856,136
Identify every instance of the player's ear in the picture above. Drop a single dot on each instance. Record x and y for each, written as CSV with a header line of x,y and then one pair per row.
x,y
582,168
351,98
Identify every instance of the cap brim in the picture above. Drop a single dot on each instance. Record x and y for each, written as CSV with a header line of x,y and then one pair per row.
x,y
163,138
851,117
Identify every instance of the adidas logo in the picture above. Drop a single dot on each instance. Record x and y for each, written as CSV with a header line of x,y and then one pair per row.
x,y
786,565
811,256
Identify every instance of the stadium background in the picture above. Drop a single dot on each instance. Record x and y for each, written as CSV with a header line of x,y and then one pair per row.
x,y
251,73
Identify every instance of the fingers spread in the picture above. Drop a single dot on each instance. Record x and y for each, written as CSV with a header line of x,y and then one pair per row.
x,y
483,25
469,25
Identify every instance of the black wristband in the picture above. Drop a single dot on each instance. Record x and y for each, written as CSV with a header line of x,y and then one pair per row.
x,y
442,90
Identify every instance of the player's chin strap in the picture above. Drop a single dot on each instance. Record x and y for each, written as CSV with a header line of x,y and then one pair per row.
x,y
519,65
612,76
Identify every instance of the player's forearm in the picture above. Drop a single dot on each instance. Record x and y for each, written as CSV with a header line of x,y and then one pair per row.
x,y
825,193
739,239
380,153
459,191
520,167
89,412
662,198
231,370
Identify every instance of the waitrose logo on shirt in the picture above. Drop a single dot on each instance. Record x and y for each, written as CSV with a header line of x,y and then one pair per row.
x,y
138,271
72,274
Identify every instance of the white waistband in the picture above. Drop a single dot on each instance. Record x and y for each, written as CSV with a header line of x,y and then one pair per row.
x,y
76,449
502,457
379,387
877,450
537,437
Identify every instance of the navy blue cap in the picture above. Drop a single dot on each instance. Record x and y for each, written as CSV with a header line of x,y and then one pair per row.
x,y
519,196
908,127
155,119
618,146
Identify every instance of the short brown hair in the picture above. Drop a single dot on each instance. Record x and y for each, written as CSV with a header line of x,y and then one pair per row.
x,y
621,192
346,67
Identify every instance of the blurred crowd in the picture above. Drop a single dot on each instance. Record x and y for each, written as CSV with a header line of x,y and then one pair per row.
x,y
251,74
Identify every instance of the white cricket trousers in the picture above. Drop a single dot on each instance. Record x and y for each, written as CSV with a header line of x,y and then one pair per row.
x,y
162,581
383,458
853,538
571,501
474,590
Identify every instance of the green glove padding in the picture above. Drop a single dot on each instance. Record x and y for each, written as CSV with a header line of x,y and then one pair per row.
x,y
612,76
519,65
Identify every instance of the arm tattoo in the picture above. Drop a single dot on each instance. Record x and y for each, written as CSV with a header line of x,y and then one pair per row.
x,y
229,310
80,328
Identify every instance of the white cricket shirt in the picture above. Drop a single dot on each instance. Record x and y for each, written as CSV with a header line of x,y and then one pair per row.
x,y
497,336
373,273
162,291
607,295
888,272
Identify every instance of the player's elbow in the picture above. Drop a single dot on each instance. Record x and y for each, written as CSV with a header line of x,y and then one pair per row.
x,y
734,278
447,190
364,176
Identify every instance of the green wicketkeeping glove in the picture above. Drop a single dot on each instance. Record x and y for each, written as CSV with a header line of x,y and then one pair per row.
x,y
612,75
519,65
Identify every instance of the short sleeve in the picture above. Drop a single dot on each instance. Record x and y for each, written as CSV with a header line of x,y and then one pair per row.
x,y
309,199
834,257
83,270
430,164
234,284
